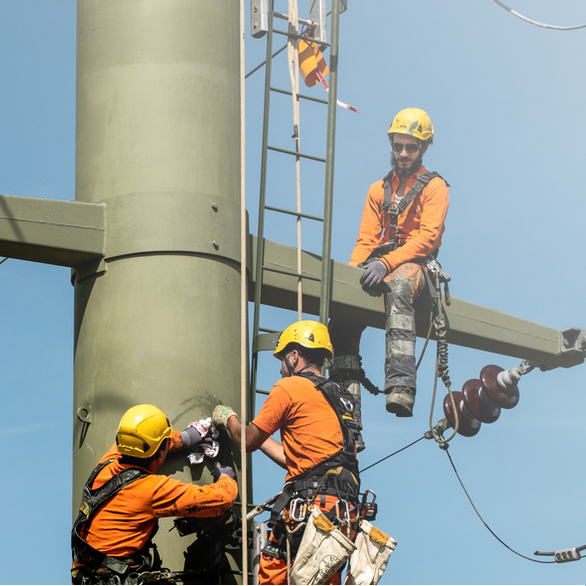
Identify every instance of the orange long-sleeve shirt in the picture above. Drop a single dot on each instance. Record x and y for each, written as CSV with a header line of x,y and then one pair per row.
x,y
420,226
123,524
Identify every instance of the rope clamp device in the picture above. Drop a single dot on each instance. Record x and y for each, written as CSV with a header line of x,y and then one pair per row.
x,y
368,510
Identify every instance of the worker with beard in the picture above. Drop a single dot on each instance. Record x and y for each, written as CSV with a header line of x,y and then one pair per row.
x,y
401,230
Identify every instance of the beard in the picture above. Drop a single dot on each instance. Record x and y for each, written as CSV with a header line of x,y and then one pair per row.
x,y
406,171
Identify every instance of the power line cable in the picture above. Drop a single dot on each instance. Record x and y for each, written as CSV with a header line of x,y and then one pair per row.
x,y
387,457
484,522
541,24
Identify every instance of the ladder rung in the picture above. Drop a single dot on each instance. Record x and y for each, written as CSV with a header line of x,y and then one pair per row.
x,y
303,38
298,214
303,96
262,342
286,17
291,273
268,331
296,154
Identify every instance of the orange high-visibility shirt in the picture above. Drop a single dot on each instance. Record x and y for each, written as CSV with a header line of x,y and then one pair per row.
x,y
310,430
123,524
420,226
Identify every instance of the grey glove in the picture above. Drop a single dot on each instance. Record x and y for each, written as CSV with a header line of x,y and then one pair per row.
x,y
373,275
190,438
220,470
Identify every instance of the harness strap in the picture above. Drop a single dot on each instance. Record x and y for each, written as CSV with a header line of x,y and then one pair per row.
x,y
318,480
92,500
395,210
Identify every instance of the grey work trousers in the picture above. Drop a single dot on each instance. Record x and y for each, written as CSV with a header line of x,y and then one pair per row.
x,y
404,285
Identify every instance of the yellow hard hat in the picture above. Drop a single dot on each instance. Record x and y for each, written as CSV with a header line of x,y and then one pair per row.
x,y
309,334
142,430
413,122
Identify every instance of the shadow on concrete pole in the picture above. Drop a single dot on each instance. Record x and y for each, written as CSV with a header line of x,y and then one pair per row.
x,y
158,140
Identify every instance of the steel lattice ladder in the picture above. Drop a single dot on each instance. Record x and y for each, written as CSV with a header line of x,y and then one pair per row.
x,y
264,339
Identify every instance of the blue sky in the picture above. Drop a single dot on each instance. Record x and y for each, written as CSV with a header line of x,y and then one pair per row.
x,y
507,101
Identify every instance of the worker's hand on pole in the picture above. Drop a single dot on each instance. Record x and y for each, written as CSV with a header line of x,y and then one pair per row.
x,y
220,470
221,414
190,438
373,275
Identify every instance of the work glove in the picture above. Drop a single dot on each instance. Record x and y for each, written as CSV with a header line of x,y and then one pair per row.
x,y
373,275
220,470
190,438
221,414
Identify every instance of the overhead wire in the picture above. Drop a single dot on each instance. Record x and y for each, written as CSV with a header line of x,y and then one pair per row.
x,y
536,23
445,448
484,522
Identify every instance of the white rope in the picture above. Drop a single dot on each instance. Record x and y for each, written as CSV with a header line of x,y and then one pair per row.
x,y
243,305
293,58
541,24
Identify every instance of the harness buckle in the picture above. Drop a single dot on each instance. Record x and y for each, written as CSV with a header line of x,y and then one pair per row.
x,y
298,509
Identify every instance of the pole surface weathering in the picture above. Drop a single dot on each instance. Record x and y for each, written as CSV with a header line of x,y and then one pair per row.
x,y
158,142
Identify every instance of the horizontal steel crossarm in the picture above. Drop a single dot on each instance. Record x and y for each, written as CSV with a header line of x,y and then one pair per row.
x,y
64,233
470,325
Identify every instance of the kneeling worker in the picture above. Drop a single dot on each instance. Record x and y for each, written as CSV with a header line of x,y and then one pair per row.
x,y
318,447
124,498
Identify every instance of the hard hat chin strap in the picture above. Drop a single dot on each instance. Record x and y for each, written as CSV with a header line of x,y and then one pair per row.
x,y
304,368
292,371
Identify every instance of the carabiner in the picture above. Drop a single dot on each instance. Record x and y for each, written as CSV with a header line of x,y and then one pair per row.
x,y
298,510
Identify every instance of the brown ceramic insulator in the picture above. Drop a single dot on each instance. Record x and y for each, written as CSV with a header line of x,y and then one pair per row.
x,y
494,391
467,427
480,410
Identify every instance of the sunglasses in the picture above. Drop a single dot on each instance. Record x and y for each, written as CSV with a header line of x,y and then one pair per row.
x,y
410,148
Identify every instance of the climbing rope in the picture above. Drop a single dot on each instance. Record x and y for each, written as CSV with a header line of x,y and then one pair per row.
x,y
293,60
441,363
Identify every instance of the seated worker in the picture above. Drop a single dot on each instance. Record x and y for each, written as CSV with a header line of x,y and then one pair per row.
x,y
124,498
318,449
401,230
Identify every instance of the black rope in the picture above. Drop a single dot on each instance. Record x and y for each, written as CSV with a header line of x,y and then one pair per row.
x,y
484,522
387,457
5,258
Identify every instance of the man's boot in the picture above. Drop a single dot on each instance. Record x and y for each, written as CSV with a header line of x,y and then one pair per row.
x,y
345,370
400,401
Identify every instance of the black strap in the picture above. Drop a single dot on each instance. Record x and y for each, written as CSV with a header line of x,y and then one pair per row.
x,y
92,500
395,210
312,481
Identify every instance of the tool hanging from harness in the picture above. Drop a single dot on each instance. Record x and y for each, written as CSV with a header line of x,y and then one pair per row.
x,y
92,500
337,475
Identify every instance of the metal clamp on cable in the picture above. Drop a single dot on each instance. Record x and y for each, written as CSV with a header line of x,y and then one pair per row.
x,y
564,555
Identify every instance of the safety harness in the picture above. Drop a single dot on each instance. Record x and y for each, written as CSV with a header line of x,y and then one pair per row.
x,y
395,210
92,500
337,475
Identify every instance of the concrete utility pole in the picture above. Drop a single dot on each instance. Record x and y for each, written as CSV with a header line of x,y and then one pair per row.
x,y
158,142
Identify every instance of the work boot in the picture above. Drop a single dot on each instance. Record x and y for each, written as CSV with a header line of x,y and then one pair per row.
x,y
345,370
400,401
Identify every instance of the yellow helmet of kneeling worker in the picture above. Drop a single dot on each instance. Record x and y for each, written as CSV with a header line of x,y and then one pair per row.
x,y
309,334
413,122
142,430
